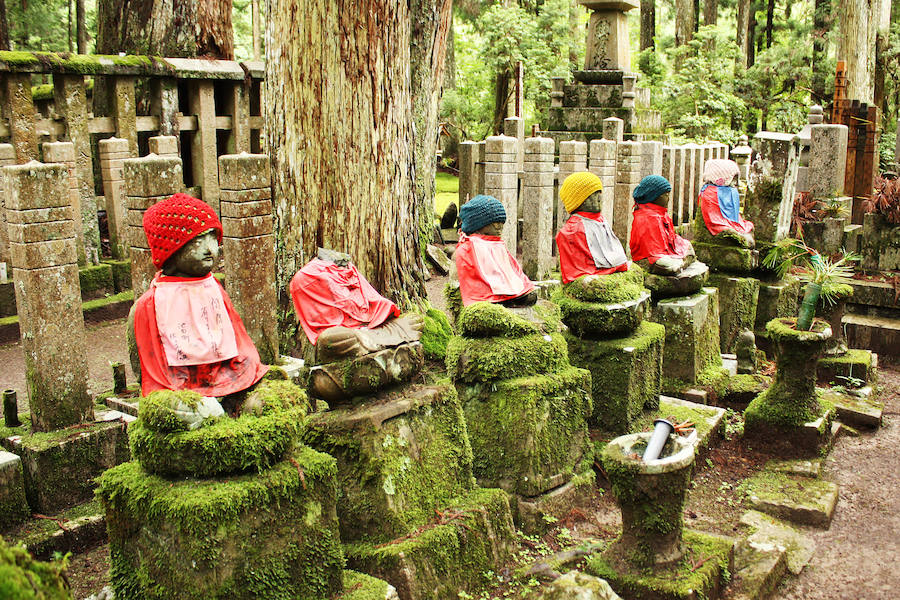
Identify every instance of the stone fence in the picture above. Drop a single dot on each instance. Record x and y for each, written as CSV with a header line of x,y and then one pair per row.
x,y
110,108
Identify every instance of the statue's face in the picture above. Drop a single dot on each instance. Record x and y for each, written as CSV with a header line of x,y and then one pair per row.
x,y
663,200
492,229
593,203
196,258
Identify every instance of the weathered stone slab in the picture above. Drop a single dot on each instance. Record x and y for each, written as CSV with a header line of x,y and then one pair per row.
x,y
856,363
806,468
534,515
692,334
598,320
856,410
775,299
759,566
575,585
625,374
726,259
794,498
13,506
738,298
438,259
767,529
688,282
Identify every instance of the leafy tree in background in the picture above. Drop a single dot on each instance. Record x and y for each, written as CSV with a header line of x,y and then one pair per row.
x,y
43,24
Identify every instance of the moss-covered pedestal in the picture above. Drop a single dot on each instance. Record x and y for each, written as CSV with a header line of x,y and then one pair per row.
x,y
341,381
738,299
526,407
723,253
654,557
234,509
690,281
13,506
777,298
691,336
788,415
609,337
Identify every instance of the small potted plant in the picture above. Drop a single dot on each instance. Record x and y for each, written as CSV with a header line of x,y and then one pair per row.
x,y
820,223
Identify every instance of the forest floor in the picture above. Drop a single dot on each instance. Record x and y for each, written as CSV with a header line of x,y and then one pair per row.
x,y
852,558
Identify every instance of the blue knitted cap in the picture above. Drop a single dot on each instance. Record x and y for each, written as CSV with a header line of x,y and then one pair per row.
x,y
650,188
481,211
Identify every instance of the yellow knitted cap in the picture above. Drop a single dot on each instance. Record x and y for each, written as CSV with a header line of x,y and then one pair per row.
x,y
577,187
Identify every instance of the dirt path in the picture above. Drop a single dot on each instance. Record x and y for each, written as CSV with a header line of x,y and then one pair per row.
x,y
858,556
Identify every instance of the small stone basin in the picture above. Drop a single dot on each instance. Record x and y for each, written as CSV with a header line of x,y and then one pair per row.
x,y
678,453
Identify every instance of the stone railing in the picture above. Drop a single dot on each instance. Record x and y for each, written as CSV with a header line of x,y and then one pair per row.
x,y
209,107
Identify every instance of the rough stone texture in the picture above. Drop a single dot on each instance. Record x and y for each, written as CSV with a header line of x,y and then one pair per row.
x,y
857,411
774,147
163,145
596,95
400,457
603,165
628,176
690,281
613,129
807,468
827,160
468,151
766,529
651,158
537,198
726,259
267,535
759,566
147,181
201,102
598,320
775,299
64,153
60,470
826,236
13,506
438,259
607,38
501,181
123,107
7,157
587,119
625,374
20,111
738,297
534,515
47,295
113,151
800,500
692,334
575,585
856,363
249,247
880,244
879,334
362,375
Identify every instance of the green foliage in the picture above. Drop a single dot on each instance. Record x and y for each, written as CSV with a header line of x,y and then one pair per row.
x,y
43,25
22,577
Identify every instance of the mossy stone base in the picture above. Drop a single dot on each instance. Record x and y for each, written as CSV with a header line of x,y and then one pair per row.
x,y
625,374
266,536
726,259
13,506
359,586
348,379
692,334
795,498
678,581
688,282
471,536
767,530
528,434
738,297
60,466
856,411
535,515
599,321
23,577
399,457
812,438
856,363
775,299
481,359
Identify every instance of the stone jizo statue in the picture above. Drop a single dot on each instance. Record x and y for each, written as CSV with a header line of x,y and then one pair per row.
x,y
721,206
654,244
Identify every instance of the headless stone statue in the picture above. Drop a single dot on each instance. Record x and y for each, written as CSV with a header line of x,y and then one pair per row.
x,y
745,349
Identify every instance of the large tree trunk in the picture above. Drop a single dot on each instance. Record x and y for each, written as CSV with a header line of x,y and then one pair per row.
x,y
339,123
710,12
80,27
743,31
4,27
502,96
751,35
855,45
882,22
186,28
648,23
430,22
821,17
684,21
770,16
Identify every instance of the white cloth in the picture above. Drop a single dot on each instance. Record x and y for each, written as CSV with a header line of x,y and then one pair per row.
x,y
193,322
605,247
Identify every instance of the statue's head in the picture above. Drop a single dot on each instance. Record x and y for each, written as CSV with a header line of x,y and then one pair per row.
x,y
184,235
721,171
482,214
582,192
653,189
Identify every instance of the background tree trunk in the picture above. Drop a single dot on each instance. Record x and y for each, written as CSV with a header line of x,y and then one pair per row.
x,y
339,123
80,27
821,17
743,34
648,23
710,12
502,95
770,16
882,26
4,27
254,17
71,44
696,15
854,48
751,34
684,21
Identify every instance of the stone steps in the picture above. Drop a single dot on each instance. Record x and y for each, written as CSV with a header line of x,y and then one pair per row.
x,y
875,333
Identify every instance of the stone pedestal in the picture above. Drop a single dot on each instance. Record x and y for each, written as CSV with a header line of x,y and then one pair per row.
x,y
692,334
13,506
726,259
776,299
148,180
248,243
856,364
738,298
827,160
607,38
85,244
342,381
113,152
690,281
43,251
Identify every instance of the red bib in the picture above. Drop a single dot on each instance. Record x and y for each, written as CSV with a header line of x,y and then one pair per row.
x,y
653,234
487,271
575,255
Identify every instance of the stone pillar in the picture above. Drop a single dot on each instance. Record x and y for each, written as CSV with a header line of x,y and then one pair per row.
x,y
693,176
607,38
613,129
827,160
147,181
64,153
651,158
48,294
125,111
603,165
7,157
479,169
741,155
249,246
515,127
164,104
537,192
572,159
668,171
556,91
468,152
238,102
163,145
628,176
202,102
501,180
776,148
19,112
113,151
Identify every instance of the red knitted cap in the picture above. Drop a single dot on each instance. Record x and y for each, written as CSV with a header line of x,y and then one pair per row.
x,y
173,222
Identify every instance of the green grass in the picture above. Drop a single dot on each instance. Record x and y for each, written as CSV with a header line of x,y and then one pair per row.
x,y
446,191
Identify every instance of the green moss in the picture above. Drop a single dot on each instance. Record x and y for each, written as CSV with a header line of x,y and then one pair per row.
x,y
13,505
728,259
42,92
454,300
855,363
487,359
22,577
436,333
359,586
270,535
102,302
608,289
786,328
528,434
679,581
121,273
487,319
699,415
94,64
37,531
94,278
592,319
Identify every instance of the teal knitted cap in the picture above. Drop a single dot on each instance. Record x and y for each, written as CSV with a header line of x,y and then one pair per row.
x,y
480,212
650,188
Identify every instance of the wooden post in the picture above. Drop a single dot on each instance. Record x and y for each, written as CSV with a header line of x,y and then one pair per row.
x,y
202,104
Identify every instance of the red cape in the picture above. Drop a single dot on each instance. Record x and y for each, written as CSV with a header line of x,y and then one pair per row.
x,y
653,234
326,295
575,258
214,379
472,284
715,221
